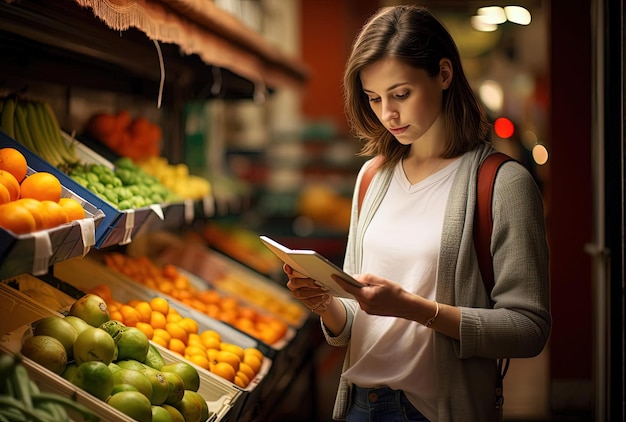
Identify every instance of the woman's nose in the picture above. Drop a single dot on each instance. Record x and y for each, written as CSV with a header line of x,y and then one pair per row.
x,y
389,112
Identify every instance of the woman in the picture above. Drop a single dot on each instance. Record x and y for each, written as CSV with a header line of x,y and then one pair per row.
x,y
423,338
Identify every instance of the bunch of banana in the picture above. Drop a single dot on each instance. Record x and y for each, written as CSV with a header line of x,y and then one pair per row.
x,y
34,125
21,399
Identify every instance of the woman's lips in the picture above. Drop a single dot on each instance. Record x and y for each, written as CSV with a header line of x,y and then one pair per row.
x,y
398,130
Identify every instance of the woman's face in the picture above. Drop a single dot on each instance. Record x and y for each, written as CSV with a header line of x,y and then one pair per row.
x,y
405,99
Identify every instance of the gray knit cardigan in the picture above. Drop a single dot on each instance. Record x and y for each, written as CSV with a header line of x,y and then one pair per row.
x,y
518,325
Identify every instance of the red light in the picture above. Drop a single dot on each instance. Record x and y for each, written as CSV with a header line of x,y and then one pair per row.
x,y
504,127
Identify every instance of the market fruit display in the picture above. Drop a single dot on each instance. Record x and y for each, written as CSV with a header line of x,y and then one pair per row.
x,y
33,124
32,202
229,309
176,177
125,186
113,359
136,138
162,324
22,400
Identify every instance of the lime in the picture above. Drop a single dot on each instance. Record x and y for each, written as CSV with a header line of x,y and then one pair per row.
x,y
114,367
92,309
114,328
69,371
58,328
159,414
118,388
188,373
190,407
174,413
132,404
160,385
47,352
135,378
94,344
133,344
95,378
154,358
176,387
78,324
130,364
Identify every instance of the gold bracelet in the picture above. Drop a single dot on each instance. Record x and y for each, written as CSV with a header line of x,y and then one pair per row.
x,y
431,321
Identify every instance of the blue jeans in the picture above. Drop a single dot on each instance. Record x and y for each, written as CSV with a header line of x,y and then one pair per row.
x,y
381,405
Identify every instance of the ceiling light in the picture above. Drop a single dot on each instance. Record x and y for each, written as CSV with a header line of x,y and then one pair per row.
x,y
494,15
479,24
518,15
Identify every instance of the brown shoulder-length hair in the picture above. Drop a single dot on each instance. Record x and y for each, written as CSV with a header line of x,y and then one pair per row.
x,y
410,33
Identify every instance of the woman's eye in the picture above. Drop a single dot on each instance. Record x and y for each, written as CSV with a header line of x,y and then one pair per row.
x,y
374,100
402,95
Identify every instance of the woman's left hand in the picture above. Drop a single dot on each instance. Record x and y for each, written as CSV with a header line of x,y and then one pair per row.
x,y
378,296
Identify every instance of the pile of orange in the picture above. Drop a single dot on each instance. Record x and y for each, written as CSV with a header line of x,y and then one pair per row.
x,y
168,280
31,203
165,326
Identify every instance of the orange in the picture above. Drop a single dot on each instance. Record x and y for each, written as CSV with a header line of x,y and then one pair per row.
x,y
252,361
130,314
189,324
42,186
223,370
160,341
55,214
144,309
240,380
38,211
228,357
233,348
211,343
160,332
253,351
173,317
206,334
16,218
160,305
73,208
5,196
14,162
194,340
200,360
146,329
177,346
10,182
247,370
157,320
176,331
194,350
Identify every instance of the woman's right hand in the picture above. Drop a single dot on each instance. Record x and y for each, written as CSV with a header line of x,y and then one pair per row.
x,y
307,291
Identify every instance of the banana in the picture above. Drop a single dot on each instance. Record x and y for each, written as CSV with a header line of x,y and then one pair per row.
x,y
7,120
44,146
50,119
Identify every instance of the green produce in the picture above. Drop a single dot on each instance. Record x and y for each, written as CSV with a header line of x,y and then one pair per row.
x,y
127,186
95,378
34,125
58,328
21,399
133,404
46,351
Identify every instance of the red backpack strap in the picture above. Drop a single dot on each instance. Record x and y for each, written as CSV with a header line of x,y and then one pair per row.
x,y
370,171
483,218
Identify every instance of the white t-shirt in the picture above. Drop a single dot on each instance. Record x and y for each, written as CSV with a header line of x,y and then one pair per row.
x,y
402,244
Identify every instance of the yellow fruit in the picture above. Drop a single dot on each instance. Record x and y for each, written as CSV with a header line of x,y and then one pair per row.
x,y
14,162
233,348
73,208
16,218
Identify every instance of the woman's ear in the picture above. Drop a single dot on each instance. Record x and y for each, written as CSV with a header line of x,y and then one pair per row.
x,y
445,72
